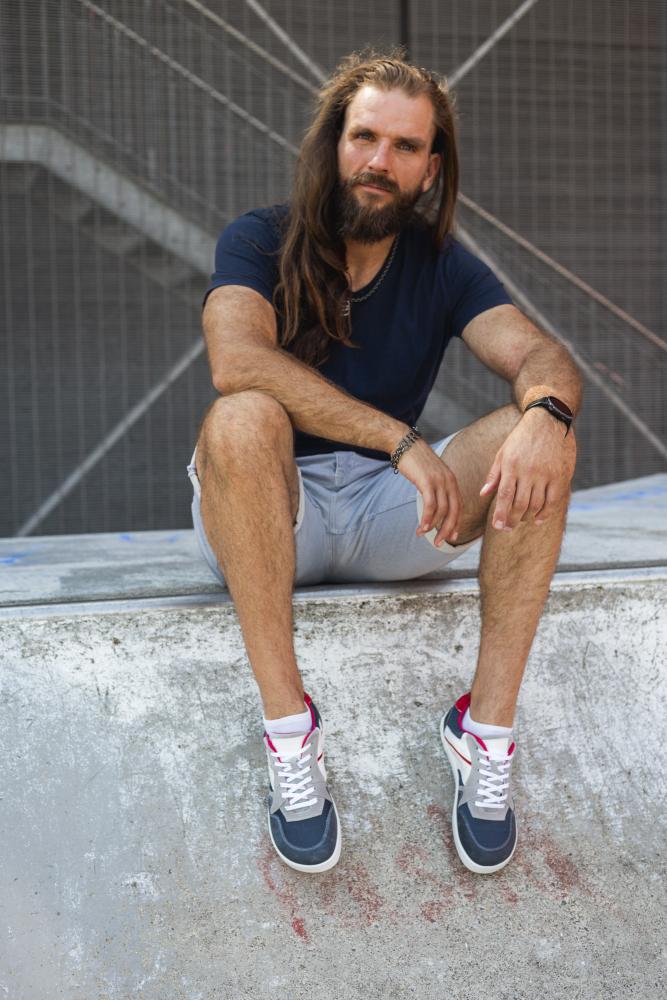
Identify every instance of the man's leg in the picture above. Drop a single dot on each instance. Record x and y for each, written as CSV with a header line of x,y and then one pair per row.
x,y
516,568
249,501
250,491
515,571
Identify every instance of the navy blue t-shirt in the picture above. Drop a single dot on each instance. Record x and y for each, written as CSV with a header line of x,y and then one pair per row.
x,y
401,330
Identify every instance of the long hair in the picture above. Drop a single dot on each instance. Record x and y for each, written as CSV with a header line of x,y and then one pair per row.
x,y
313,286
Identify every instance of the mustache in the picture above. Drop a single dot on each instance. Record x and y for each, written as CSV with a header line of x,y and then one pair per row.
x,y
377,180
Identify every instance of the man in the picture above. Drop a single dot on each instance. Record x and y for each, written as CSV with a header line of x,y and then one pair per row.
x,y
326,323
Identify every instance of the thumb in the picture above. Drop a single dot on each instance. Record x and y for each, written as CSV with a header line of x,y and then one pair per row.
x,y
492,479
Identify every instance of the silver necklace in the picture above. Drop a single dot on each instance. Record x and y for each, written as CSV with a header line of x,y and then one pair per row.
x,y
376,284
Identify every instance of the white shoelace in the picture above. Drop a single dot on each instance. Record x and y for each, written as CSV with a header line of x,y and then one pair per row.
x,y
494,781
296,780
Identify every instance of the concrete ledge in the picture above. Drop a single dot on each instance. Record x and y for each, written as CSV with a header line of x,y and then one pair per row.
x,y
136,860
340,593
621,525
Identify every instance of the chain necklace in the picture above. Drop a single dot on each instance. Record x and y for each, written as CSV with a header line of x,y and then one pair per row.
x,y
376,284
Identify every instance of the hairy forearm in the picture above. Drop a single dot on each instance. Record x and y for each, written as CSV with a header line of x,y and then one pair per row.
x,y
314,404
548,370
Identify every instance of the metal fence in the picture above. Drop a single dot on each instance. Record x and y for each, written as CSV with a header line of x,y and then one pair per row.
x,y
132,132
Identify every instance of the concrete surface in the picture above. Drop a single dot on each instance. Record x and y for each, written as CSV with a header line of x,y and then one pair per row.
x,y
135,856
623,524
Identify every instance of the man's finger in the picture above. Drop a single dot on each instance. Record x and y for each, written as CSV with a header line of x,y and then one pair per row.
x,y
427,521
537,501
504,501
443,517
519,504
454,506
551,500
492,479
449,527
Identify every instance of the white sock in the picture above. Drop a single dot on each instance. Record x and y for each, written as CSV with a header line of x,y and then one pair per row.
x,y
483,730
289,725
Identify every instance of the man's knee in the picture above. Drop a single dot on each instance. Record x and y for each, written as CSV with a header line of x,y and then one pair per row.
x,y
246,416
242,424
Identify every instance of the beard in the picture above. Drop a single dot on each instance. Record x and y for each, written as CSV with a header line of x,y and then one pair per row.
x,y
369,223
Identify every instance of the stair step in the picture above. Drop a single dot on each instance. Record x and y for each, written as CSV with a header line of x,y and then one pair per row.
x,y
166,271
71,206
116,237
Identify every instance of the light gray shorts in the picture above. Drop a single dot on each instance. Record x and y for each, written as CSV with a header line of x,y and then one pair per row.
x,y
356,521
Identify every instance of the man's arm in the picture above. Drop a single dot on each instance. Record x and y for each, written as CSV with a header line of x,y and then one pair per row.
x,y
533,362
241,337
533,469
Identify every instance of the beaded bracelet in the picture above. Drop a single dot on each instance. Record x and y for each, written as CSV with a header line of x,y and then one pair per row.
x,y
403,445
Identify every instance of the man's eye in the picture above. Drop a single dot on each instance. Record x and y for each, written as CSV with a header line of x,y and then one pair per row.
x,y
407,145
365,135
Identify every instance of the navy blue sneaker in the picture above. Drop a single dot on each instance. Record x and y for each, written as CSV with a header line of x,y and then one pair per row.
x,y
483,819
303,822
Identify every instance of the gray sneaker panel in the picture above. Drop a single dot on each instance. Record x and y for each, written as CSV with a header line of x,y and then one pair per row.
x,y
469,794
316,783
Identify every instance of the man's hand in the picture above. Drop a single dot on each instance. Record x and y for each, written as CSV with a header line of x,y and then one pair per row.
x,y
532,471
439,490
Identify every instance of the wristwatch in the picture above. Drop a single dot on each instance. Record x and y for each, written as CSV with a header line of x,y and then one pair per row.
x,y
557,408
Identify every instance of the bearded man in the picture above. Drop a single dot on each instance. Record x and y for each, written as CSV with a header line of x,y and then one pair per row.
x,y
326,323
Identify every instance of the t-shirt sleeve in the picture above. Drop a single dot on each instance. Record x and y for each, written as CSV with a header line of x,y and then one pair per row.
x,y
246,254
475,289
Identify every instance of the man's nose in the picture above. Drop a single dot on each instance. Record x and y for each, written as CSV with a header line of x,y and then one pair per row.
x,y
381,159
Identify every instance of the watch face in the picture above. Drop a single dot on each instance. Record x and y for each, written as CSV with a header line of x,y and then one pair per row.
x,y
562,407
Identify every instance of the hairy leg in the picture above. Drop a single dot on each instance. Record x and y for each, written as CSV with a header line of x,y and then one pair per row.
x,y
249,501
515,570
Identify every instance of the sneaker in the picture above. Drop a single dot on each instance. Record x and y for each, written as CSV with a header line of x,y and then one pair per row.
x,y
483,819
303,822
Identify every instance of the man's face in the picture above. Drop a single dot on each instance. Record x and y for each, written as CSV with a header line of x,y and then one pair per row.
x,y
385,162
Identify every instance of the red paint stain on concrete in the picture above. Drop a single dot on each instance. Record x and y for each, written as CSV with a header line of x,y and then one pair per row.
x,y
299,928
334,900
441,821
508,894
412,860
327,890
463,879
363,892
348,895
275,878
567,874
409,856
433,911
521,863
545,867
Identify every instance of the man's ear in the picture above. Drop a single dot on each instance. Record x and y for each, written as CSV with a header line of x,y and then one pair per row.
x,y
434,162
